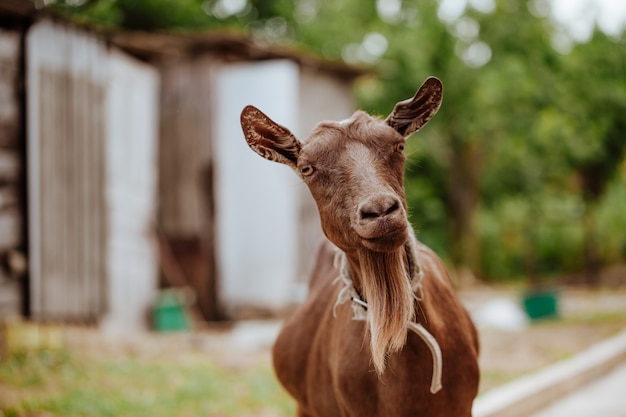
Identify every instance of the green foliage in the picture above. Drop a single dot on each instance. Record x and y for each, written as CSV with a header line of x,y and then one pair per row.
x,y
610,221
533,235
157,14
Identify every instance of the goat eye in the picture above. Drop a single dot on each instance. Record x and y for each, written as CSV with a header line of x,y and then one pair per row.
x,y
400,147
306,170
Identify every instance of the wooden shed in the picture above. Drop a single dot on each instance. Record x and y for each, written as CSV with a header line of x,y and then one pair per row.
x,y
242,231
84,152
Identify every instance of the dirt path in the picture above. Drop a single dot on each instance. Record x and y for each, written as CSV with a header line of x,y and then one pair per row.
x,y
586,317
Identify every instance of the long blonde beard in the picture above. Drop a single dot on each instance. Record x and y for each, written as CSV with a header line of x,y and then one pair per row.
x,y
387,290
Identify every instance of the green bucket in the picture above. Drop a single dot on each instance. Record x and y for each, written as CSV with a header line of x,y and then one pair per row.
x,y
169,312
541,304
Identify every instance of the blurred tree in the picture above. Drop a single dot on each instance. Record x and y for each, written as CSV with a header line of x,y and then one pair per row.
x,y
137,14
594,98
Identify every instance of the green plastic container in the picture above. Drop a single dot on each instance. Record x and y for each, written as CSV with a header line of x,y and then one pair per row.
x,y
169,312
541,304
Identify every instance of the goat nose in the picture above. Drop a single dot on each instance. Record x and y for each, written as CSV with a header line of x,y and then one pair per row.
x,y
378,207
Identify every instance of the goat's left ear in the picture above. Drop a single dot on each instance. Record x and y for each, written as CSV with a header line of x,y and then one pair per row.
x,y
269,139
410,115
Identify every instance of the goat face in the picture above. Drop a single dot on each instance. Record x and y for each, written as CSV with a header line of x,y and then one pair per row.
x,y
355,172
354,168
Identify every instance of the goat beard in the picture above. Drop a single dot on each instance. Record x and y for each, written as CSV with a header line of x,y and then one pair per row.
x,y
387,289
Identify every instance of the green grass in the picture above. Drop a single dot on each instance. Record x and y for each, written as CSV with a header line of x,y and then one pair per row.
x,y
51,382
55,383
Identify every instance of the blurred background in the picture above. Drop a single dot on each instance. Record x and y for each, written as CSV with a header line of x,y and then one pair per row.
x,y
130,203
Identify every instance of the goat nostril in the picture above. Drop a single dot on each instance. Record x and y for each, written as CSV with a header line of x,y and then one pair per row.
x,y
378,208
369,214
395,206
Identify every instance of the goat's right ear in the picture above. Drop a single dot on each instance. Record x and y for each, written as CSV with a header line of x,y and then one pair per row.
x,y
269,139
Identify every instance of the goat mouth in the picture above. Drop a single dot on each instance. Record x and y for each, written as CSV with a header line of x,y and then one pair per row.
x,y
386,242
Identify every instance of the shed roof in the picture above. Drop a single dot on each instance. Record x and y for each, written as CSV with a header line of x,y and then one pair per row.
x,y
230,46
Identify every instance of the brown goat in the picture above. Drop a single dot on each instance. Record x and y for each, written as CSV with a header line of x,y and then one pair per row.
x,y
390,290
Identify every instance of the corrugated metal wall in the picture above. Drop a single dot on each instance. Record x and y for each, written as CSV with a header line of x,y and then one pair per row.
x,y
72,274
92,136
66,171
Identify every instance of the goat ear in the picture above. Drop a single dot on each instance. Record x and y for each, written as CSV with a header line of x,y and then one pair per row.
x,y
269,139
410,115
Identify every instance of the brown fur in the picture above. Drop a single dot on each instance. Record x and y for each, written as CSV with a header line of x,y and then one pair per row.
x,y
354,171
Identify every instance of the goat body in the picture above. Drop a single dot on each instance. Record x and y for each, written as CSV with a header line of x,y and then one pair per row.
x,y
330,363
